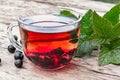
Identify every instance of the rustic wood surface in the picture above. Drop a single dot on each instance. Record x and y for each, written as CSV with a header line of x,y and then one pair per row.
x,y
80,68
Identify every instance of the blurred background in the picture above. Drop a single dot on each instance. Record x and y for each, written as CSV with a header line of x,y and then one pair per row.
x,y
11,9
109,1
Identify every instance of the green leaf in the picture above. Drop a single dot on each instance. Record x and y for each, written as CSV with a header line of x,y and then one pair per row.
x,y
113,15
115,43
97,40
108,55
85,46
86,24
67,13
116,31
102,27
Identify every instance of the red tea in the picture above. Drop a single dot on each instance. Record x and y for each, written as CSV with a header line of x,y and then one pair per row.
x,y
50,48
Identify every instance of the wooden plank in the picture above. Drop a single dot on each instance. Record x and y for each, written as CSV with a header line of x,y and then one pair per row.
x,y
79,69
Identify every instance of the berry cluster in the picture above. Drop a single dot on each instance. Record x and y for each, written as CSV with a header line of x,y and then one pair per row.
x,y
53,59
18,55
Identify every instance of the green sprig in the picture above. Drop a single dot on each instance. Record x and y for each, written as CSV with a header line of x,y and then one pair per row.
x,y
100,31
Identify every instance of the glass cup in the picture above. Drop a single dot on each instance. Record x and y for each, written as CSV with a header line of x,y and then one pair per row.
x,y
48,40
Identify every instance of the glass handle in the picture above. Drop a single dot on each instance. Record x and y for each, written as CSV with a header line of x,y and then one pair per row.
x,y
11,37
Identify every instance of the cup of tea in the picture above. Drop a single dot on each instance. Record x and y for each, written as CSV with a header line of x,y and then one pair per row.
x,y
48,40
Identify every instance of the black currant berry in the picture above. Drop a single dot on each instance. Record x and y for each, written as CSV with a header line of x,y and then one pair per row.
x,y
18,63
47,62
58,51
0,60
18,55
64,61
72,52
11,48
15,37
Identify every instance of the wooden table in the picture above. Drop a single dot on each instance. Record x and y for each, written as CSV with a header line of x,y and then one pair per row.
x,y
80,68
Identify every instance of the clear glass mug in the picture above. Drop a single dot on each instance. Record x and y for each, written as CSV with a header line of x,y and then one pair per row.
x,y
48,40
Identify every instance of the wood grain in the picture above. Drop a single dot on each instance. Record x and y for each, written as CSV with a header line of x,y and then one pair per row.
x,y
79,69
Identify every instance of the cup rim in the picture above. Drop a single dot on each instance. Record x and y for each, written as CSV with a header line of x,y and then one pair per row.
x,y
69,23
